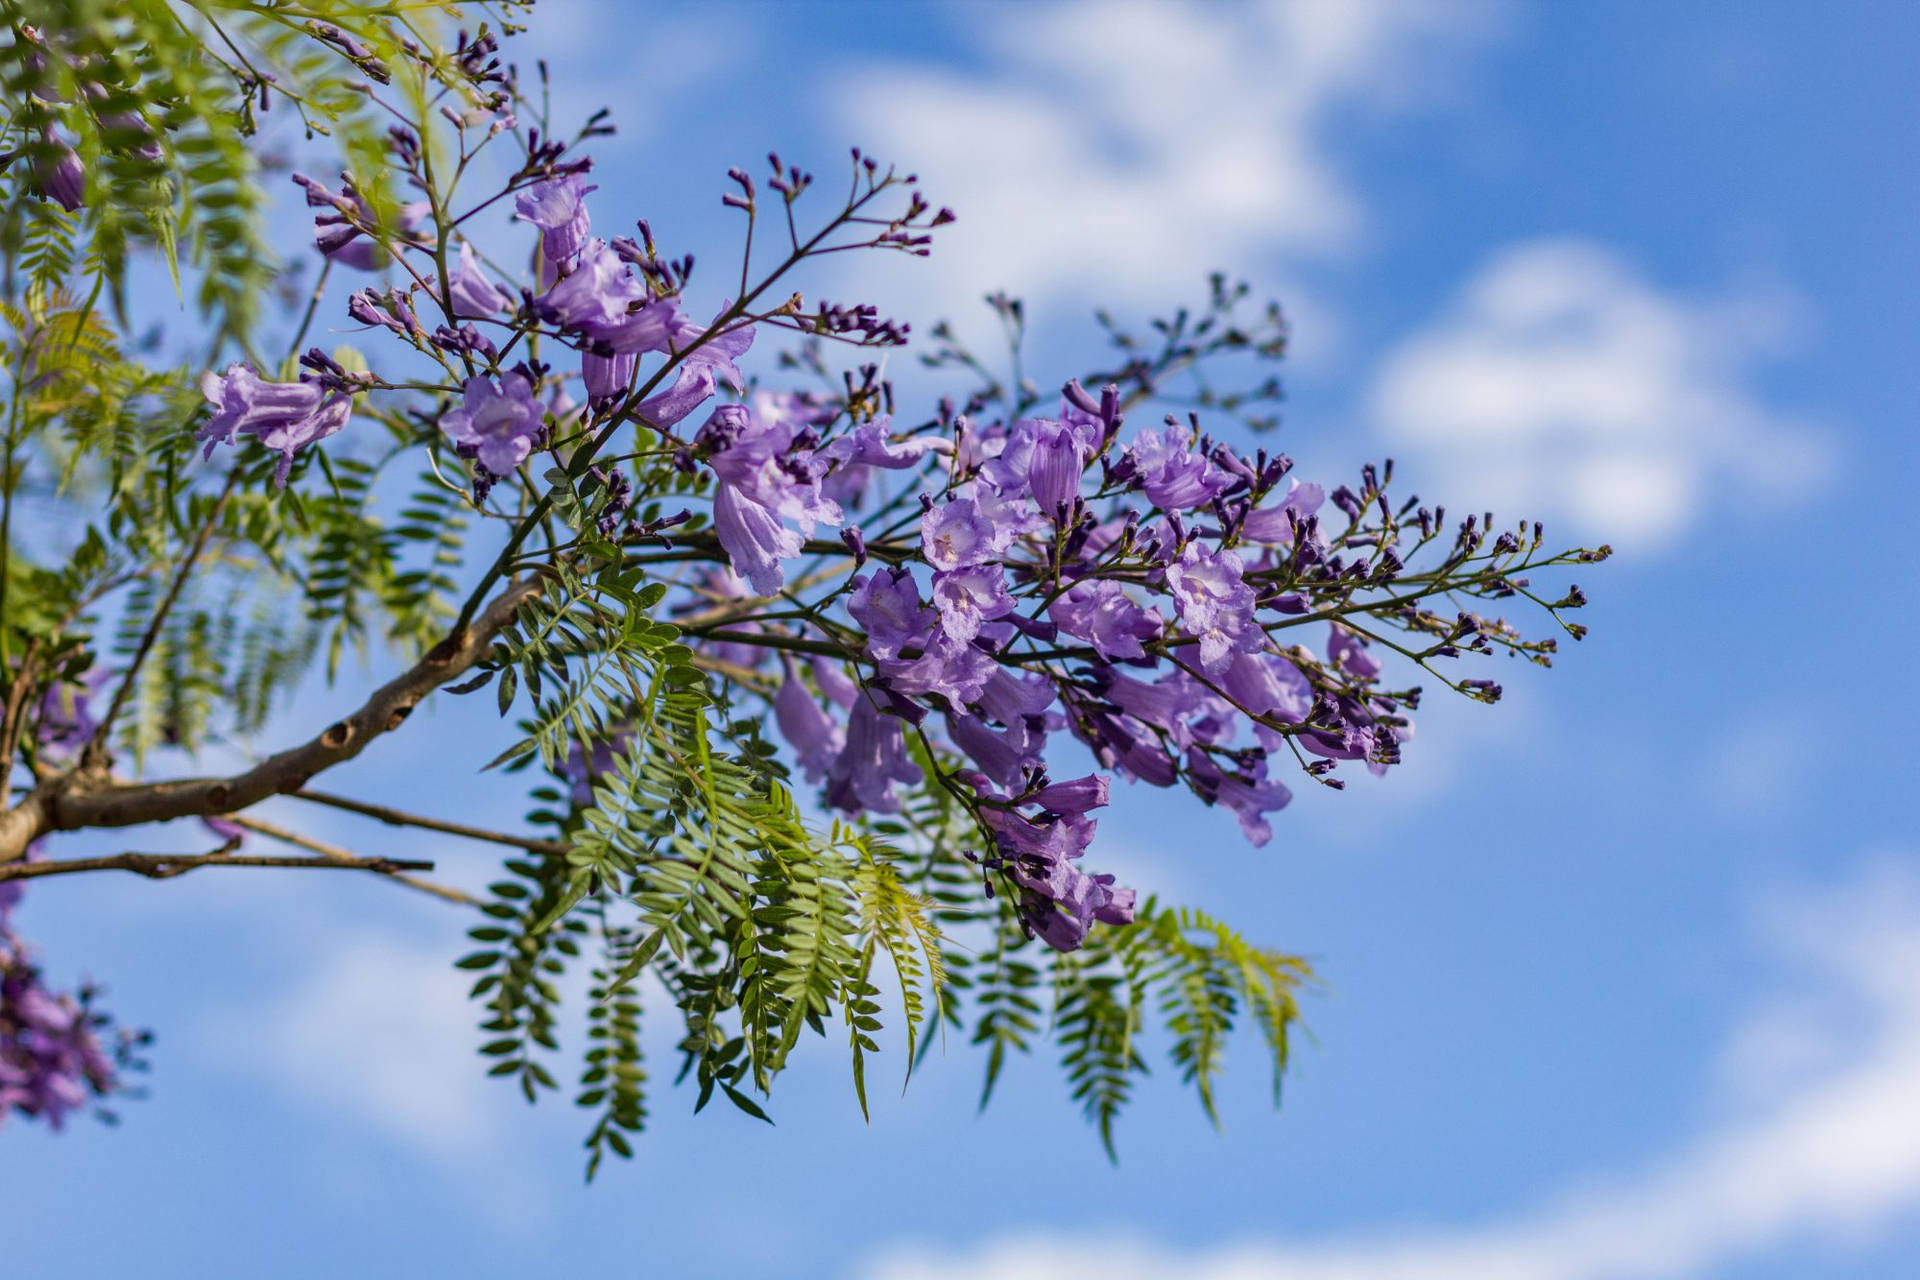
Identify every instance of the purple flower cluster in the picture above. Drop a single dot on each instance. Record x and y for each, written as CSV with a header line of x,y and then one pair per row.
x,y
1059,584
287,416
56,1055
1015,586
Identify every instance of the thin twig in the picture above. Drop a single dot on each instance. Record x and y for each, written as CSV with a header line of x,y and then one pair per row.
x,y
401,818
341,857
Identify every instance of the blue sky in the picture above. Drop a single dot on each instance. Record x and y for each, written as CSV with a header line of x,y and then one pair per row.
x,y
1621,973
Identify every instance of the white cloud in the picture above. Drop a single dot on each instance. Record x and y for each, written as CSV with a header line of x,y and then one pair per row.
x,y
1124,148
1562,381
383,1032
1834,1152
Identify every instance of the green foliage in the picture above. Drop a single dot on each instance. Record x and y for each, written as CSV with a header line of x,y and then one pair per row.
x,y
160,99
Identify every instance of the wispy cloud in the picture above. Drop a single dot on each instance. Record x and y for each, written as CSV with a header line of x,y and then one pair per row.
x,y
1831,1149
381,1033
1124,148
1562,381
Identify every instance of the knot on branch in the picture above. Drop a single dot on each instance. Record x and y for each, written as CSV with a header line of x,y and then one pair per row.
x,y
337,735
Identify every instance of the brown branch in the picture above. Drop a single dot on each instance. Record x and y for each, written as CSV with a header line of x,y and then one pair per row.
x,y
343,857
86,799
401,818
165,866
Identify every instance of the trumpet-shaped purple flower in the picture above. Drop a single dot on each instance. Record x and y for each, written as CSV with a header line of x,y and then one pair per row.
x,y
887,606
1272,523
754,539
764,480
1078,795
1124,743
1059,454
833,681
693,387
947,668
1105,616
559,208
861,779
1349,652
960,534
1266,684
60,177
869,445
595,297
660,325
1008,699
968,598
1250,796
338,235
1002,754
1174,476
287,416
718,353
499,422
1216,604
474,296
609,376
1167,703
816,738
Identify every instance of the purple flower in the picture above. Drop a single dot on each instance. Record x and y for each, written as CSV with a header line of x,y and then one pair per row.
x,y
558,207
1103,614
1126,744
610,376
665,410
833,680
1265,684
1008,698
960,534
754,539
1349,652
660,325
1003,755
60,177
595,297
813,734
764,480
337,235
1174,476
499,421
718,352
287,416
868,445
887,606
1167,703
967,598
1251,797
1059,455
1271,524
861,779
947,668
1076,796
474,296
1216,605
